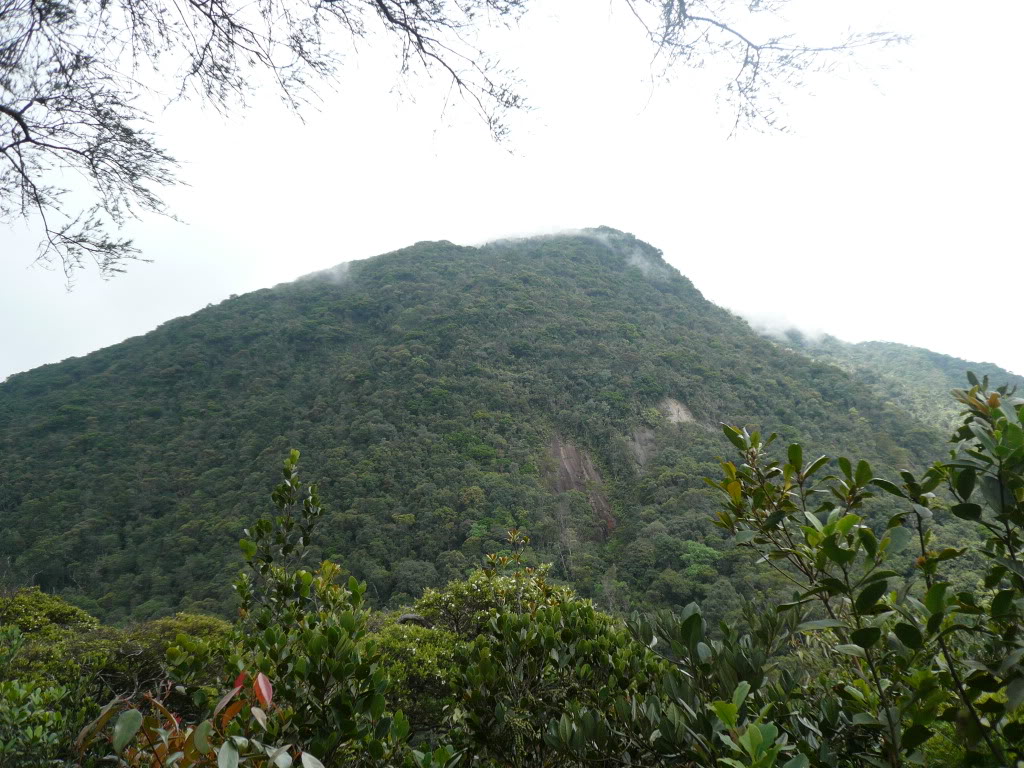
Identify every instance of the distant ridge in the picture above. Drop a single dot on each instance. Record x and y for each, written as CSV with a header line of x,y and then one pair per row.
x,y
912,378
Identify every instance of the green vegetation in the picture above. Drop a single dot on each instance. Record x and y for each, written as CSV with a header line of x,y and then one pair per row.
x,y
57,664
876,660
915,380
569,386
454,399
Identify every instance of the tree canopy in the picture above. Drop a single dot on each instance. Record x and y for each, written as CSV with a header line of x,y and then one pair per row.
x,y
569,385
874,660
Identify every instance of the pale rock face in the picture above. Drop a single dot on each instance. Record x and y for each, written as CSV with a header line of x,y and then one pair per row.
x,y
642,445
642,442
675,412
573,470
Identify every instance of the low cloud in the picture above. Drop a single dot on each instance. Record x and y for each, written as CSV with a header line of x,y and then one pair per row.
x,y
338,274
778,326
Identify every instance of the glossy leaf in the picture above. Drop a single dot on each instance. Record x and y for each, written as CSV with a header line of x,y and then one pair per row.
x,y
227,755
127,725
264,690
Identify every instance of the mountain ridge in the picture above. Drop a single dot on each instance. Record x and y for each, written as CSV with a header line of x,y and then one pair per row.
x,y
424,387
885,366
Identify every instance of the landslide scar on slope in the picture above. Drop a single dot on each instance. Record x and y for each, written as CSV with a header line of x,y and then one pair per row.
x,y
642,445
574,470
641,441
675,412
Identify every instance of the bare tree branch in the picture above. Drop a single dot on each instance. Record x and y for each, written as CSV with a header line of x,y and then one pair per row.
x,y
69,86
691,32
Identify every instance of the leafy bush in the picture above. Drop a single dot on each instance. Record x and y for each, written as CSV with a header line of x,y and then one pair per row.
x,y
35,728
420,663
306,680
917,654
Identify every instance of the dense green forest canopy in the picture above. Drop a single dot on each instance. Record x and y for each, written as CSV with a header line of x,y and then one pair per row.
x,y
911,378
876,659
569,385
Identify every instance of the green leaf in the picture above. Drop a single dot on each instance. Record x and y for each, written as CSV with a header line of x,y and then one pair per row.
x,y
915,736
866,637
846,523
965,480
846,467
797,761
869,596
726,712
852,650
817,464
813,520
1002,601
400,726
704,652
865,718
201,737
935,600
967,511
888,487
1012,565
376,749
1014,732
227,755
377,705
1014,695
868,541
740,694
744,537
280,757
909,635
127,725
819,624
863,475
984,682
735,436
836,553
796,455
564,729
308,761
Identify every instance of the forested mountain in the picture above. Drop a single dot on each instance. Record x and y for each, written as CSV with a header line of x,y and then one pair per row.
x,y
570,385
910,378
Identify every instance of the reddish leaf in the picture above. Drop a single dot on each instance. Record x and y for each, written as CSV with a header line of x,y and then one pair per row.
x,y
224,701
264,690
240,680
230,712
171,719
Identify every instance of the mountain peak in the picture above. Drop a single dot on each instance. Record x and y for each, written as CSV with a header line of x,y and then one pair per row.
x,y
425,388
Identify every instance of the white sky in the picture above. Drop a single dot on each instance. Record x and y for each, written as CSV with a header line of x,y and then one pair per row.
x,y
892,213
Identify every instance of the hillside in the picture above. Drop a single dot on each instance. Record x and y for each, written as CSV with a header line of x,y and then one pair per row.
x,y
569,385
913,379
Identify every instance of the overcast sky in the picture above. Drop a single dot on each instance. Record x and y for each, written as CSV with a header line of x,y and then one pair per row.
x,y
893,211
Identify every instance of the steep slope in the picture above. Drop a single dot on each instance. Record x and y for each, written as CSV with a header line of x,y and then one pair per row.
x,y
911,378
568,385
